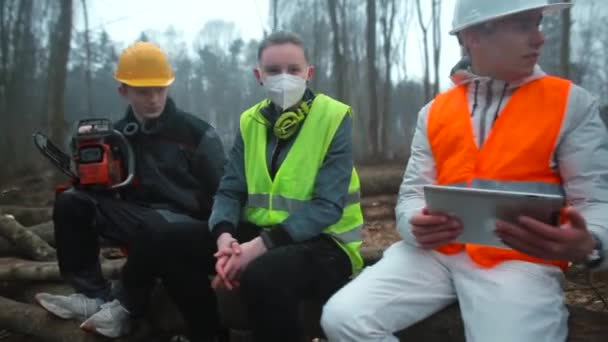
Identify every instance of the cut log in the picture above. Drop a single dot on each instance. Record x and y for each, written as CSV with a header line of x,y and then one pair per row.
x,y
43,230
25,240
8,249
34,321
18,269
160,323
28,216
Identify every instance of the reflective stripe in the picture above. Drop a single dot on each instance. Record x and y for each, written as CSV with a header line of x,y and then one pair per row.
x,y
532,187
291,205
258,200
353,235
287,204
352,198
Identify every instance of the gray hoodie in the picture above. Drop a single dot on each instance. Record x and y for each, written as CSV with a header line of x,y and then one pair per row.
x,y
580,155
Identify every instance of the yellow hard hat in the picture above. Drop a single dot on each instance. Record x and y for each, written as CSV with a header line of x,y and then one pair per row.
x,y
144,64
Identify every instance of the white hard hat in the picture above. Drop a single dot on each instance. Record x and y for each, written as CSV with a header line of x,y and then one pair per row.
x,y
472,12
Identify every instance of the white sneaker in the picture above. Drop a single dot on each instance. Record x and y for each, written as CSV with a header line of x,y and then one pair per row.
x,y
76,306
113,320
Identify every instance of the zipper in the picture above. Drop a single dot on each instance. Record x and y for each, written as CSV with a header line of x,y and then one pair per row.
x,y
484,114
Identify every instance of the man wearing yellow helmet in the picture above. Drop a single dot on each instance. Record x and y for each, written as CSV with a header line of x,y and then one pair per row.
x,y
179,161
506,125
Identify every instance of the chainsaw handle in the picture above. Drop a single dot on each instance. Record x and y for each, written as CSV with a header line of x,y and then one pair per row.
x,y
130,162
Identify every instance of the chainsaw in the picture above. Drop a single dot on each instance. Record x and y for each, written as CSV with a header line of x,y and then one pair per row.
x,y
101,157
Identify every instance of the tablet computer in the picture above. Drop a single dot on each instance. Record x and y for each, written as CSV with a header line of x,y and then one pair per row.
x,y
479,209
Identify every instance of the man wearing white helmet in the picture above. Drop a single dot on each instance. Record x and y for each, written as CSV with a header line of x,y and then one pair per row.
x,y
505,125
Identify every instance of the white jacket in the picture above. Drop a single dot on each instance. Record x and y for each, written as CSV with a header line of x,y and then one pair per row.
x,y
580,156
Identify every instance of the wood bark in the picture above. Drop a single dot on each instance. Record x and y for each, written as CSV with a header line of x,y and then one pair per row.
x,y
387,22
43,230
565,46
372,75
12,269
34,321
338,53
275,15
425,45
59,53
436,14
25,240
27,216
88,68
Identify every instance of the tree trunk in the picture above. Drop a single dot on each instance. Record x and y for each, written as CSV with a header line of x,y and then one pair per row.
x,y
275,15
13,269
402,51
424,30
436,43
565,46
315,47
387,22
59,52
27,216
344,43
161,322
18,69
372,75
43,230
338,65
25,240
87,72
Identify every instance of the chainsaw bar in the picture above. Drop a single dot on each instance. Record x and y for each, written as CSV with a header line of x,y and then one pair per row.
x,y
59,158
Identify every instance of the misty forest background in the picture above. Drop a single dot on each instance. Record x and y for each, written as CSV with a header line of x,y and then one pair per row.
x,y
52,74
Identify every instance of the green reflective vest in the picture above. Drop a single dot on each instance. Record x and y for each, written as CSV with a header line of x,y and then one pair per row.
x,y
270,202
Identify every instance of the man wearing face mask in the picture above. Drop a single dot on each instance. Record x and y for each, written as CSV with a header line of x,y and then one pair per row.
x,y
291,187
179,161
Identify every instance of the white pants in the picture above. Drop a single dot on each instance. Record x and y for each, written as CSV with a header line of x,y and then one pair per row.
x,y
514,301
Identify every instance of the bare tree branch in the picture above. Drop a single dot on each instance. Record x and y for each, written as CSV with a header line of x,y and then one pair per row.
x,y
372,74
436,42
339,61
87,72
424,29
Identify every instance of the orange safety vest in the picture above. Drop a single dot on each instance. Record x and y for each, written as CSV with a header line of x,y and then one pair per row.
x,y
515,156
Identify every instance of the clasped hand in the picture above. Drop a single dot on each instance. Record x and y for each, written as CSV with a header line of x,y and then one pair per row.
x,y
232,258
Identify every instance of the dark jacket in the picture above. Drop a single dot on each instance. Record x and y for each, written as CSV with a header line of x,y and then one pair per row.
x,y
179,162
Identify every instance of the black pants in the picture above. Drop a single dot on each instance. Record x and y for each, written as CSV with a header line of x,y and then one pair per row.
x,y
273,285
161,244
